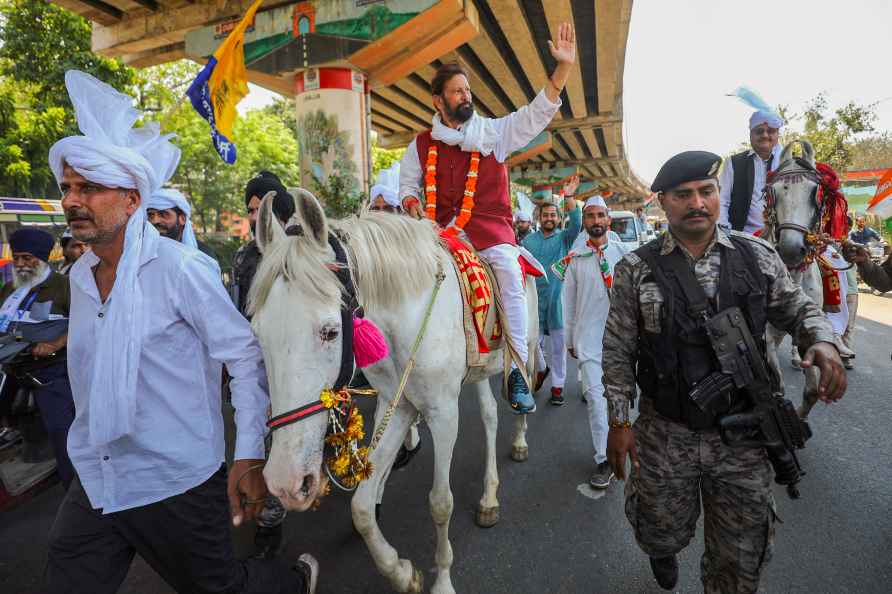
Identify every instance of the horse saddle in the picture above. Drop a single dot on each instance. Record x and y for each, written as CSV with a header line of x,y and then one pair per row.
x,y
481,302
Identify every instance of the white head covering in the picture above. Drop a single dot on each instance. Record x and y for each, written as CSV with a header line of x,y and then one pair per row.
x,y
522,216
595,201
113,153
388,186
766,117
169,198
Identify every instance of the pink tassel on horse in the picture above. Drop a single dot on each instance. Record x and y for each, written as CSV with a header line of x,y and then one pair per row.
x,y
369,345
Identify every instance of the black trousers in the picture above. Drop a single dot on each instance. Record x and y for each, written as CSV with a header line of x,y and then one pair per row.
x,y
185,538
57,409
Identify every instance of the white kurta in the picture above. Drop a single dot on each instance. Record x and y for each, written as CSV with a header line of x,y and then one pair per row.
x,y
586,306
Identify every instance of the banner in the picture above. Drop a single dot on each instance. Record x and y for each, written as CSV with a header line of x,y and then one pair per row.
x,y
221,84
881,203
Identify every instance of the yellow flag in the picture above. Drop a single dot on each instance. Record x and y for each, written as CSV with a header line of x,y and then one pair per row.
x,y
229,82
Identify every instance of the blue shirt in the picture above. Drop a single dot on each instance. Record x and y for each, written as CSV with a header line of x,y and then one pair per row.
x,y
549,250
864,237
191,327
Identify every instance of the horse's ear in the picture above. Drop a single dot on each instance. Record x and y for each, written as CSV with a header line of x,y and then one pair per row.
x,y
311,216
268,230
787,153
808,152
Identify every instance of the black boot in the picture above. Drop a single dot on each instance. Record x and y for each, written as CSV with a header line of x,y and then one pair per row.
x,y
665,571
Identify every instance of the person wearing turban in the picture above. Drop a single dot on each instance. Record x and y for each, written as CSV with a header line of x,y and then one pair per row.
x,y
151,327
385,193
523,225
247,258
171,214
744,175
39,294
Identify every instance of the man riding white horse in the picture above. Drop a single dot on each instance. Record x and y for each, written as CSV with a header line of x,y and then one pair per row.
x,y
458,168
745,174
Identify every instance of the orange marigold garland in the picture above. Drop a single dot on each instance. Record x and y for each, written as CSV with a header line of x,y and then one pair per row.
x,y
430,188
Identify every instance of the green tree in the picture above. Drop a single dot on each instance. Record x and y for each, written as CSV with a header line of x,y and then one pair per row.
x,y
832,133
383,158
873,152
38,43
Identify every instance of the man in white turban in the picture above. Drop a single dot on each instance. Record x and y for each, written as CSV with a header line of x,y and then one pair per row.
x,y
385,193
744,175
151,326
523,225
171,214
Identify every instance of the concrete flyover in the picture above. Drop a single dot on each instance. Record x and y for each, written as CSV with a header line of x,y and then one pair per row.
x,y
393,47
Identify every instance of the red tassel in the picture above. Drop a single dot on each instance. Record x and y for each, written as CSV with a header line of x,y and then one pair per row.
x,y
369,345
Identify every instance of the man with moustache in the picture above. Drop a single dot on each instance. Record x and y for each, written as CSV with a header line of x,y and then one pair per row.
x,y
745,174
170,213
549,245
247,258
458,170
151,326
38,294
656,336
588,278
72,249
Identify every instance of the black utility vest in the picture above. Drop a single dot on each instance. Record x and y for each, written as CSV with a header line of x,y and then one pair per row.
x,y
742,190
671,362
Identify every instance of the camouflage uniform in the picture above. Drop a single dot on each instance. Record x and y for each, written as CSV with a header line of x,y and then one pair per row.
x,y
678,465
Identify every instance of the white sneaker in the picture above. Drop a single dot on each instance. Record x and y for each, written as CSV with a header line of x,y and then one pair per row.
x,y
308,565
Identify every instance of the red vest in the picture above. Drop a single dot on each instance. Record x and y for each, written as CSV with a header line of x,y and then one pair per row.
x,y
491,221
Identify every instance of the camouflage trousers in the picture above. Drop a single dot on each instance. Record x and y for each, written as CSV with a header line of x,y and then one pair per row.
x,y
679,467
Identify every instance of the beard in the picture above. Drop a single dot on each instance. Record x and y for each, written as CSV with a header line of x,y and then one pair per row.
x,y
174,232
461,113
596,231
548,225
26,276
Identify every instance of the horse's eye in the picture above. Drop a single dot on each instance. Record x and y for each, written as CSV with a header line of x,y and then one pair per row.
x,y
328,333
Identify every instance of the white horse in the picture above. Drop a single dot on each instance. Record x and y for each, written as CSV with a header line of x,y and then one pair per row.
x,y
296,299
792,217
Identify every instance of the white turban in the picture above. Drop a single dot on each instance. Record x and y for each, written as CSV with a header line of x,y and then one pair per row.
x,y
388,185
595,201
522,216
113,153
166,198
765,117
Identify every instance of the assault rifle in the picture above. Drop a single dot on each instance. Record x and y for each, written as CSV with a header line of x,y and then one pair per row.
x,y
772,423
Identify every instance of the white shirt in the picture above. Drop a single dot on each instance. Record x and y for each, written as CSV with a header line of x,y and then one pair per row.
x,y
587,302
191,328
755,220
515,131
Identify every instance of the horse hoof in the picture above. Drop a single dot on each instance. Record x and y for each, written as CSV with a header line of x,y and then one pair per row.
x,y
520,454
487,517
416,586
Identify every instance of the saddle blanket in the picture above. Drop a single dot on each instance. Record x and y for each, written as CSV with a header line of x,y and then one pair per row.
x,y
476,281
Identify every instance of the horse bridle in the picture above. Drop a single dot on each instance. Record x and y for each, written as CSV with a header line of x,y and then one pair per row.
x,y
804,169
349,308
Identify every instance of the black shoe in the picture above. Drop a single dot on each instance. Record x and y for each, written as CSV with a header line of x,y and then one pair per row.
x,y
601,477
665,571
404,456
557,397
267,542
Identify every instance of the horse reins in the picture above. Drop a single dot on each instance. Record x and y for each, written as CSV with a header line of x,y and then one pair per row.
x,y
771,205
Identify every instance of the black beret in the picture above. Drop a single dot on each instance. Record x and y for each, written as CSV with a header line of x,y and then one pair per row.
x,y
264,182
686,167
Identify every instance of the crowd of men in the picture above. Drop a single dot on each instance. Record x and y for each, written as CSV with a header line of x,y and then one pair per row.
x,y
147,328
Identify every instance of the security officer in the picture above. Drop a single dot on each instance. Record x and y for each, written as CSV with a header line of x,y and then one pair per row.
x,y
676,451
